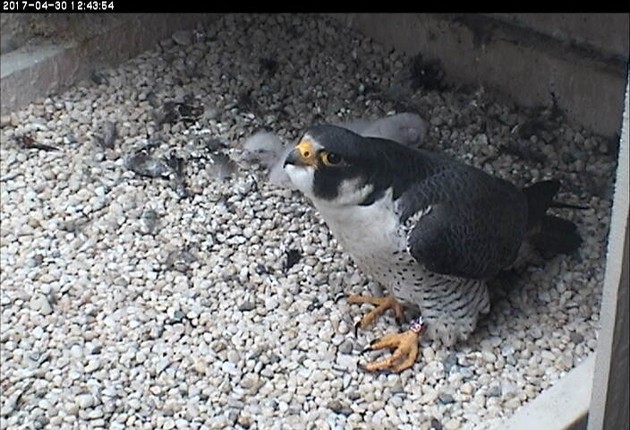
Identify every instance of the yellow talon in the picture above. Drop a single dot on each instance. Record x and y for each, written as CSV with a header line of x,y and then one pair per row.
x,y
382,304
404,345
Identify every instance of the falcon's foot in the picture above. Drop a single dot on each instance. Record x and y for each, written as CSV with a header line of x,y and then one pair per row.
x,y
382,304
404,346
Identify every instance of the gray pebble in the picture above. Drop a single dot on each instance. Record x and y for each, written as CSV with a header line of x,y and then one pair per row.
x,y
535,332
346,347
449,362
211,113
576,338
339,407
436,424
446,398
247,305
494,391
466,372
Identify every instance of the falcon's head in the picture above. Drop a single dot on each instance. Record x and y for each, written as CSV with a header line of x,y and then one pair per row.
x,y
335,166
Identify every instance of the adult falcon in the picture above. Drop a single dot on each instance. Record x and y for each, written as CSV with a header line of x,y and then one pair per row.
x,y
430,229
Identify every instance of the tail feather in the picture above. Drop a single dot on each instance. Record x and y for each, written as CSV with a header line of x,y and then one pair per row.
x,y
556,204
539,198
550,235
555,236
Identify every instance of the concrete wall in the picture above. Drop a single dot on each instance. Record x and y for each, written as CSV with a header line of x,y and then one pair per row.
x,y
27,31
610,396
13,31
581,59
43,53
604,32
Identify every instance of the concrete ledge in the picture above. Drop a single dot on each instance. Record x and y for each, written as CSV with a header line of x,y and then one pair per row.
x,y
609,402
29,73
584,29
521,63
563,406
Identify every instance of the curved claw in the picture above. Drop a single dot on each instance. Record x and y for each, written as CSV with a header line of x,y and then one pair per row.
x,y
382,304
339,297
405,347
370,347
366,350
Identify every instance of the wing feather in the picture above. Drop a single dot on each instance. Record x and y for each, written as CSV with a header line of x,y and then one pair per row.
x,y
463,222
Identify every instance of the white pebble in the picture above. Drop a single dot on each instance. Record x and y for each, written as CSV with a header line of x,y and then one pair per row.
x,y
466,388
488,357
84,401
40,303
452,424
76,351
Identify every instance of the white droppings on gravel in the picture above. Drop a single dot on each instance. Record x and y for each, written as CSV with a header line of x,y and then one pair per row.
x,y
101,329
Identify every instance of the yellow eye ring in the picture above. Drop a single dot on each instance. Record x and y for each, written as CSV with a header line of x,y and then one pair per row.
x,y
331,159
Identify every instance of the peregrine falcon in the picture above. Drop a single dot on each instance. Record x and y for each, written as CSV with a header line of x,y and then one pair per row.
x,y
407,128
430,229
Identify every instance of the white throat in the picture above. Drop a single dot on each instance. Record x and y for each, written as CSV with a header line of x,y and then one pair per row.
x,y
302,178
362,229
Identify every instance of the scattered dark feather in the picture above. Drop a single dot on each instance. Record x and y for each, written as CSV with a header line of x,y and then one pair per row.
x,y
180,260
99,78
28,142
143,164
293,257
268,66
107,134
426,74
524,150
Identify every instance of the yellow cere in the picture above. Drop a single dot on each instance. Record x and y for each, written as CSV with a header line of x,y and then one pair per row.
x,y
307,152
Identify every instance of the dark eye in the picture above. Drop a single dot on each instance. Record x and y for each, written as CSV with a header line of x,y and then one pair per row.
x,y
331,159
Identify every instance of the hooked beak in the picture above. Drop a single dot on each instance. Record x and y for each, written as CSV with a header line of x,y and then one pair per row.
x,y
302,155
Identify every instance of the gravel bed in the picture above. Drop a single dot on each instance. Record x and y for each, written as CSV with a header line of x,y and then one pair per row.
x,y
152,278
